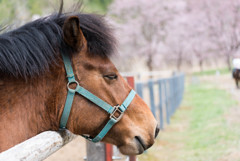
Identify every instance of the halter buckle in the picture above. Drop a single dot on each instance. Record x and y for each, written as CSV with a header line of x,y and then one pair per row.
x,y
116,111
72,82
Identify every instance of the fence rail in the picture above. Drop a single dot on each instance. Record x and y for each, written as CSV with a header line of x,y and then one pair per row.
x,y
38,147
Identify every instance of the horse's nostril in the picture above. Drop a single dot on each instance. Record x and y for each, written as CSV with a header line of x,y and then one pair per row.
x,y
141,142
157,131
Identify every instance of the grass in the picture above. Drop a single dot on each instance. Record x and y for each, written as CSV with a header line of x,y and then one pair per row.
x,y
199,130
212,72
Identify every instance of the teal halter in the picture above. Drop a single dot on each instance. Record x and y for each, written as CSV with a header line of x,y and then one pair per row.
x,y
88,95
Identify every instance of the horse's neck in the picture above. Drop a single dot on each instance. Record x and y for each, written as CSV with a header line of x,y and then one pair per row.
x,y
27,109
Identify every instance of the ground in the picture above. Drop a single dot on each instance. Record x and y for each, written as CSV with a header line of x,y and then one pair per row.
x,y
73,151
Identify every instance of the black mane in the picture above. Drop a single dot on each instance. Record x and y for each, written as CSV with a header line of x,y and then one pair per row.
x,y
31,49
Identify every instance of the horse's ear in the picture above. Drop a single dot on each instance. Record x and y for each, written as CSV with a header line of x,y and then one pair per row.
x,y
72,33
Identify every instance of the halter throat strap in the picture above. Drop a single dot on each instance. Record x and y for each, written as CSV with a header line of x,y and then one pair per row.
x,y
112,110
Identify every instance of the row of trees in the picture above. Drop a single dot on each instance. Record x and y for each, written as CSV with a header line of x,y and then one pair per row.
x,y
159,33
18,12
177,32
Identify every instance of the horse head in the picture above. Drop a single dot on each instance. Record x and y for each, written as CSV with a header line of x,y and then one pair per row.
x,y
137,129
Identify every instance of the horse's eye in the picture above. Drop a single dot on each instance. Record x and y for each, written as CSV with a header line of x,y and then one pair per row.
x,y
111,76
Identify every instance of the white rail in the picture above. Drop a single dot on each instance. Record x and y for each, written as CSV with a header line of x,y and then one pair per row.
x,y
38,147
141,75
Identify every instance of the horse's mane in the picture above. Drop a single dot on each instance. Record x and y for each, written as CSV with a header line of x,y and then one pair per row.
x,y
31,49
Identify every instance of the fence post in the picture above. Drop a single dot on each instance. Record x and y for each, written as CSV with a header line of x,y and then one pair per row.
x,y
175,93
160,104
172,95
166,100
130,80
151,92
108,152
95,151
139,89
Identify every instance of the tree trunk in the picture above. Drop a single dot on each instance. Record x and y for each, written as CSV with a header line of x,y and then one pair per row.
x,y
228,62
150,62
201,65
179,63
216,63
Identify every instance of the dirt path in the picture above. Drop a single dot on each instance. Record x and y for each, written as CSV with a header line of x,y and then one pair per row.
x,y
73,151
227,83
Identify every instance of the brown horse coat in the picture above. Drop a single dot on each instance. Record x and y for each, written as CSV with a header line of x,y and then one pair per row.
x,y
33,83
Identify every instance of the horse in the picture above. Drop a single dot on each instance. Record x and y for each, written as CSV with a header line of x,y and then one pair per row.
x,y
236,76
34,87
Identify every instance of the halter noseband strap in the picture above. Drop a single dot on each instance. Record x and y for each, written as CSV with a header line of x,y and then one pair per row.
x,y
88,95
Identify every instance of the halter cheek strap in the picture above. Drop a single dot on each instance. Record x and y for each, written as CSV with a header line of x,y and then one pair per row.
x,y
99,102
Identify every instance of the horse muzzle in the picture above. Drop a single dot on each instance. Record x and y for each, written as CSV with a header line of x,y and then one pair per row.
x,y
138,144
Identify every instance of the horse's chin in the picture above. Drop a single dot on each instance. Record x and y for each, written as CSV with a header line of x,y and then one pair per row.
x,y
132,148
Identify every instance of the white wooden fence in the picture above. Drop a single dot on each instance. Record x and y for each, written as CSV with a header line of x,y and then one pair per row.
x,y
38,147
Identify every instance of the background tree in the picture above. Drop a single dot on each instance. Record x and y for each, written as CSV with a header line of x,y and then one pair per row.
x,y
178,32
220,26
142,26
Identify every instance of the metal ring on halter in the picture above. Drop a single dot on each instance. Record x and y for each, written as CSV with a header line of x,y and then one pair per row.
x,y
116,110
70,89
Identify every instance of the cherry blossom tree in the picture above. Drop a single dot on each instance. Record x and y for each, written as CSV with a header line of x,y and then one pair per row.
x,y
224,26
178,31
142,26
177,40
